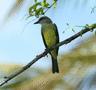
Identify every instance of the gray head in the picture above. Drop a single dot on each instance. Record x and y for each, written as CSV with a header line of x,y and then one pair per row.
x,y
44,20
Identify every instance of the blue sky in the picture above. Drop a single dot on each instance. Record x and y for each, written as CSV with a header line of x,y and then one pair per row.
x,y
20,43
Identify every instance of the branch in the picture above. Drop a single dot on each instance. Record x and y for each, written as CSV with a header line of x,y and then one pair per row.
x,y
37,15
50,6
66,41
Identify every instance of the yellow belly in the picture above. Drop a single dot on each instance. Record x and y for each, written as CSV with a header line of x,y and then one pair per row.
x,y
50,37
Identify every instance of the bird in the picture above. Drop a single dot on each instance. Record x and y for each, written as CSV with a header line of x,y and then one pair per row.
x,y
50,38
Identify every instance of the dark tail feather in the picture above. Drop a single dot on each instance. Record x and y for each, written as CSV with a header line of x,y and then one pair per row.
x,y
55,67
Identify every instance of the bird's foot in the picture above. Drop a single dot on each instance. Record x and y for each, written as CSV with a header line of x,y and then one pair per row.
x,y
46,50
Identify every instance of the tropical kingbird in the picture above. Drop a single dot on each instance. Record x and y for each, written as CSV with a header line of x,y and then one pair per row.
x,y
50,37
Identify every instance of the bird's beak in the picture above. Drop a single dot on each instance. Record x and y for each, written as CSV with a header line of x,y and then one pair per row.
x,y
36,22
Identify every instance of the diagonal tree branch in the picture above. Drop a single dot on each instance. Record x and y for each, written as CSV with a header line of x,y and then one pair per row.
x,y
66,41
50,6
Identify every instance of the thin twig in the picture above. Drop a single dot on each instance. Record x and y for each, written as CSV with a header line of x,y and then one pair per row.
x,y
45,10
43,13
66,41
50,6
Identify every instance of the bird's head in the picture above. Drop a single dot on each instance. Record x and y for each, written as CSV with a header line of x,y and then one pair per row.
x,y
44,20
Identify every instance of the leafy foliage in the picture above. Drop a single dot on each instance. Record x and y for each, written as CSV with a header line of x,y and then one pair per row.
x,y
39,8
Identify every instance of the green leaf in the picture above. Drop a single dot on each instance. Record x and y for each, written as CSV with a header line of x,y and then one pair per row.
x,y
54,2
33,9
35,1
45,4
39,12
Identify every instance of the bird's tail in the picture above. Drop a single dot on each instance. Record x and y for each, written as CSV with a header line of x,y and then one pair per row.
x,y
55,67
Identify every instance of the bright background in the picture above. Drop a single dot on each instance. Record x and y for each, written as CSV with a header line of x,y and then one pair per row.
x,y
21,42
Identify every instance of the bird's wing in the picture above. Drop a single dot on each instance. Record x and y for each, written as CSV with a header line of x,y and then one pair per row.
x,y
57,35
43,39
